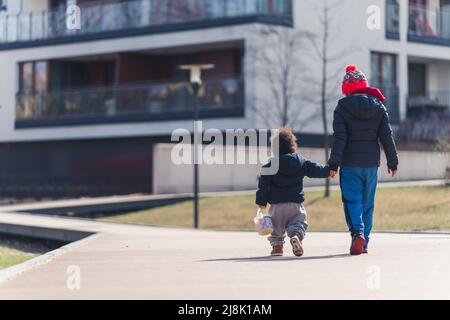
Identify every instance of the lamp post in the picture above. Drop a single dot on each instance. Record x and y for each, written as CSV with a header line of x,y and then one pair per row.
x,y
195,71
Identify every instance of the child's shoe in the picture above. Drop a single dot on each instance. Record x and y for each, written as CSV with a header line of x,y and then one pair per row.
x,y
277,251
297,247
358,244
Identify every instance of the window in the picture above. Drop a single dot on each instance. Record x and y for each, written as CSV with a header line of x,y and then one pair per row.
x,y
40,76
424,18
384,76
417,76
26,77
33,77
392,19
384,69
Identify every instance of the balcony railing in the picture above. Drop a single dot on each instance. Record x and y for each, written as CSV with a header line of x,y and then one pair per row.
x,y
428,25
138,14
430,104
132,102
429,130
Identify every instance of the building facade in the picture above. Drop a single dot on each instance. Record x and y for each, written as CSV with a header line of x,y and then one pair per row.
x,y
82,107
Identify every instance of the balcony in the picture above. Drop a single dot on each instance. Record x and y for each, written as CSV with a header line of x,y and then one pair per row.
x,y
432,104
137,17
429,25
221,97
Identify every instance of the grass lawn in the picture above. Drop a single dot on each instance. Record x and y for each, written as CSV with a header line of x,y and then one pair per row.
x,y
405,209
10,256
15,250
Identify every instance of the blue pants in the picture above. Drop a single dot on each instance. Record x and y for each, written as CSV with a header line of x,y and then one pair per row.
x,y
358,187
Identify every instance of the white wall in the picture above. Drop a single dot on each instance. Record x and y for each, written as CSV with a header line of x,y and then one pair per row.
x,y
170,178
438,76
14,6
34,5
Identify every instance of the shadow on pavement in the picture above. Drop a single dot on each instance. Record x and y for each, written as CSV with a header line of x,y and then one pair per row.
x,y
257,259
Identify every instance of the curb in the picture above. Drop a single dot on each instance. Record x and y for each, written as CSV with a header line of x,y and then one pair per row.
x,y
16,270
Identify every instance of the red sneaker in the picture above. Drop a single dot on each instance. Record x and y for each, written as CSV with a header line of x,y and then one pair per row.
x,y
277,251
358,244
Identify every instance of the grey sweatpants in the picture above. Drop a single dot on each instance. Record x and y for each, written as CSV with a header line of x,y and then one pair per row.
x,y
290,218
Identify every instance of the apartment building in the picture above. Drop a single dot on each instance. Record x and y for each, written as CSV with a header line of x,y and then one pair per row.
x,y
81,109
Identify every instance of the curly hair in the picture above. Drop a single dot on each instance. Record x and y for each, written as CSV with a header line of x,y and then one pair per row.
x,y
286,141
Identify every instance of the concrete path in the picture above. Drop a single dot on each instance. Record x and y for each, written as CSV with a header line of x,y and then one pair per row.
x,y
136,262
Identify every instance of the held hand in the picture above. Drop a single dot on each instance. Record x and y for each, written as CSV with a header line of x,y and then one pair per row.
x,y
262,208
392,173
333,174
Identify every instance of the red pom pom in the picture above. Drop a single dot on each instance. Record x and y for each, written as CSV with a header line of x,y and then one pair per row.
x,y
350,68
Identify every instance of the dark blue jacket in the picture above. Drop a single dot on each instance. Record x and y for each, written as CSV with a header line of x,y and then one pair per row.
x,y
287,184
361,121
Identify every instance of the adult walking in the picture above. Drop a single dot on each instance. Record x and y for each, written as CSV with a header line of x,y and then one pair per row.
x,y
361,122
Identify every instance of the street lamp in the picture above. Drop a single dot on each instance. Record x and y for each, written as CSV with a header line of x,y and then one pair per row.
x,y
195,71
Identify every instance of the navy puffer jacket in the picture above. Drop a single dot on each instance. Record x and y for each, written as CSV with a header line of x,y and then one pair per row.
x,y
361,122
287,184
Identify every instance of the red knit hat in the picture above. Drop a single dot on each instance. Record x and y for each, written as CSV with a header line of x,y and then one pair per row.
x,y
353,80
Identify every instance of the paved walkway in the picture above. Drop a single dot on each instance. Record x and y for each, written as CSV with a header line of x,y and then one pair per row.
x,y
136,262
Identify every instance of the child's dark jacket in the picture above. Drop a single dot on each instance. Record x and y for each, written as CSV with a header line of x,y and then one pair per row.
x,y
287,184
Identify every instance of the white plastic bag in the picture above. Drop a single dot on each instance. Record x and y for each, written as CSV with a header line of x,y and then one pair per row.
x,y
263,223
